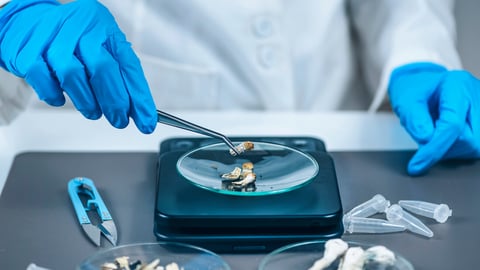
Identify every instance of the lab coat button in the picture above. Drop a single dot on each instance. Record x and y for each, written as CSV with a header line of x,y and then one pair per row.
x,y
262,27
267,56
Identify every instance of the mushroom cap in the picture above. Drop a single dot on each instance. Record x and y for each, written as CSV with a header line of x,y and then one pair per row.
x,y
247,165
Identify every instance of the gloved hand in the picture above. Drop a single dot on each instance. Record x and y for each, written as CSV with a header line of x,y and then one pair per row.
x,y
76,48
440,109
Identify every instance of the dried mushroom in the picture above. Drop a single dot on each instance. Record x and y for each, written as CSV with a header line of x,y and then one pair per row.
x,y
233,175
240,179
109,266
242,147
334,248
248,179
377,256
122,263
172,266
247,168
354,258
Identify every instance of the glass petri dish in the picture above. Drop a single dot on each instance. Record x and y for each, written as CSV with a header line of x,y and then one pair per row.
x,y
303,255
278,168
186,256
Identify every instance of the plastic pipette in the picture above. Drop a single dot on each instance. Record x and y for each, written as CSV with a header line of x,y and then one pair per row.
x,y
396,214
377,204
370,225
439,212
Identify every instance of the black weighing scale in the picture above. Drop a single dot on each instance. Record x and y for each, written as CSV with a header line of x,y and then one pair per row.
x,y
224,223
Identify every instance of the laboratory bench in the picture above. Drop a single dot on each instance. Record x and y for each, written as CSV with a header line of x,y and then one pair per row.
x,y
43,149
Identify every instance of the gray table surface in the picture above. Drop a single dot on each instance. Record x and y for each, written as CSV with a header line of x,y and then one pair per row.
x,y
38,223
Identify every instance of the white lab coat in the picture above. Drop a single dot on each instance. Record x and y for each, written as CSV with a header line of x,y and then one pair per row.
x,y
276,54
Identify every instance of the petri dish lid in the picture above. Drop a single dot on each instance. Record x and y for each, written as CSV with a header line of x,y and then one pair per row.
x,y
278,168
304,254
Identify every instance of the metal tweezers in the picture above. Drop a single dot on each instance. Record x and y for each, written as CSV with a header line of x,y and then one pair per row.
x,y
171,120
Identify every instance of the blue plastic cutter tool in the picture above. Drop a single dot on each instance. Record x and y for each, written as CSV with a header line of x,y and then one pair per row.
x,y
84,186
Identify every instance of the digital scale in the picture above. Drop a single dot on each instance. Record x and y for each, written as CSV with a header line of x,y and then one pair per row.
x,y
225,223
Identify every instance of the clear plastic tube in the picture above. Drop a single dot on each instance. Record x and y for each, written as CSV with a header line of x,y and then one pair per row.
x,y
377,204
439,212
370,225
396,214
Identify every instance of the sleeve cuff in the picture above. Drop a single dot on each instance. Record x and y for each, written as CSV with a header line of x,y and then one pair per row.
x,y
381,96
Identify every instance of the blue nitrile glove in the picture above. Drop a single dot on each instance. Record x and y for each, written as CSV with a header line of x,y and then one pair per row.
x,y
77,48
440,109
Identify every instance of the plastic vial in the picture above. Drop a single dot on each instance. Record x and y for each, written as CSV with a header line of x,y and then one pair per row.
x,y
439,212
377,204
396,214
370,225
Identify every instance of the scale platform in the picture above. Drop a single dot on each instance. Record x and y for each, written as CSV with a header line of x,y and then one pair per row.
x,y
227,223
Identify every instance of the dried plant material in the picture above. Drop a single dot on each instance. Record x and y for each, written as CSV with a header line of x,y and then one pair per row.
x,y
122,262
228,185
352,259
248,179
245,176
379,255
247,167
109,266
172,266
242,147
233,175
334,248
